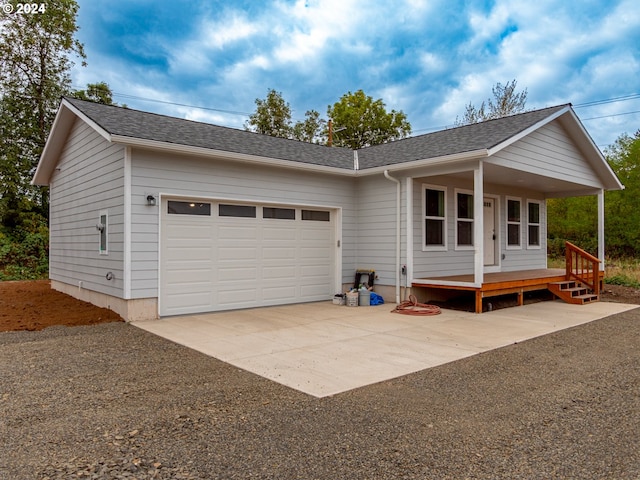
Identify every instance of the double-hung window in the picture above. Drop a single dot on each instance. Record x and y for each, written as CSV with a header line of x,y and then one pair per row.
x,y
464,219
533,224
514,222
435,225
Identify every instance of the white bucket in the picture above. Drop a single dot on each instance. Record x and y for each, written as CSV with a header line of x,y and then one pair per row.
x,y
352,299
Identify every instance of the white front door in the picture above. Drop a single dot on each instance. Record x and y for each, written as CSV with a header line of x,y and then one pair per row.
x,y
489,231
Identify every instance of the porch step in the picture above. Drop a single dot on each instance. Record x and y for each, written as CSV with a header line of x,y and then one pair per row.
x,y
572,292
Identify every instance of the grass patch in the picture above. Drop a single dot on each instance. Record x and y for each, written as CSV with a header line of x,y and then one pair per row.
x,y
619,271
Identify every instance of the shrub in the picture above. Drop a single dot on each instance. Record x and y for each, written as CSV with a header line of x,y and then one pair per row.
x,y
24,255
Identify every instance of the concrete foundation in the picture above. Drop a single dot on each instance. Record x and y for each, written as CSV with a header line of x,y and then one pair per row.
x,y
130,310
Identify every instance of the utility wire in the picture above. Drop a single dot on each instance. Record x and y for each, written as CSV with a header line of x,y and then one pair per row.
x,y
624,98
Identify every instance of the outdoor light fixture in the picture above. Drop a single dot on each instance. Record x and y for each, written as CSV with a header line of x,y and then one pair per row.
x,y
151,200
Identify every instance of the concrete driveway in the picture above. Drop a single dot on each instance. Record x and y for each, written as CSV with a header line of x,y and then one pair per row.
x,y
324,349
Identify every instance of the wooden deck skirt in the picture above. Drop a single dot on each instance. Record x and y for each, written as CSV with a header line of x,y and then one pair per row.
x,y
501,283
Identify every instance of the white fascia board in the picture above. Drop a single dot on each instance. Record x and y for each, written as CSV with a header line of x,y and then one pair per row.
x,y
426,162
241,157
529,130
58,135
615,181
101,131
52,148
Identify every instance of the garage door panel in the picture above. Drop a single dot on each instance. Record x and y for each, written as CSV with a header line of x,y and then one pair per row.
x,y
319,236
278,272
236,233
187,254
238,298
235,273
193,276
211,263
231,254
281,294
188,300
182,232
278,253
278,233
320,253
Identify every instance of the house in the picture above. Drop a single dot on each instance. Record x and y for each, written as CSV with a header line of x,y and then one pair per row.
x,y
154,216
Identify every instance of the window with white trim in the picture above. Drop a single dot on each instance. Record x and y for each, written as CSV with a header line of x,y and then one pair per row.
x,y
435,225
533,224
103,230
514,222
464,219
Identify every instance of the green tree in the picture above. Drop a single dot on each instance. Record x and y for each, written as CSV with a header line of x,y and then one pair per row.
x,y
272,116
506,101
312,129
96,92
360,121
622,208
34,73
575,219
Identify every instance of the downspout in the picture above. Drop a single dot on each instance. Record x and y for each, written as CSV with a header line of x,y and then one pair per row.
x,y
389,177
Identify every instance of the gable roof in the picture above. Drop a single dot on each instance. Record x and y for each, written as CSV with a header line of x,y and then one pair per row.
x,y
149,130
477,137
122,123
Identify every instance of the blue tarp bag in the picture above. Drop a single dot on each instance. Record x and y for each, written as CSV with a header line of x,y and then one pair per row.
x,y
376,299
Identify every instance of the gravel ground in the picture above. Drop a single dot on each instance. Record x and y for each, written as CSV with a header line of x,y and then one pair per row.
x,y
111,401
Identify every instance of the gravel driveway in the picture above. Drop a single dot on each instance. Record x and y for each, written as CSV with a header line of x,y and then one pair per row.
x,y
112,401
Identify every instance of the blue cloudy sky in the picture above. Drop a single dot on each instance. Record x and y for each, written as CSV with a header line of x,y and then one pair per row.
x,y
428,58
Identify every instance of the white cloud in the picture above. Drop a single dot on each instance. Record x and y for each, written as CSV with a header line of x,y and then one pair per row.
x,y
220,33
428,58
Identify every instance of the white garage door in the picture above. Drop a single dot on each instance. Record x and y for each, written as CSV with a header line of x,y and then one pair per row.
x,y
222,256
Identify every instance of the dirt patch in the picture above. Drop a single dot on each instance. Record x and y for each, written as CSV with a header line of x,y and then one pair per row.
x,y
34,305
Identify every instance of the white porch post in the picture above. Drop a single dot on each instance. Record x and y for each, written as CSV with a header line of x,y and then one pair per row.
x,y
409,235
478,224
601,228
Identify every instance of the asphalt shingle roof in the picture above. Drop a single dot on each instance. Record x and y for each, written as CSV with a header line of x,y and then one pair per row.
x,y
149,126
468,138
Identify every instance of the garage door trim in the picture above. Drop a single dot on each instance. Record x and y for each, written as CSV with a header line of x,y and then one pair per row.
x,y
336,218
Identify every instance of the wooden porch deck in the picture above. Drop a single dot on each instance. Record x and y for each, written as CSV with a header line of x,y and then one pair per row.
x,y
500,283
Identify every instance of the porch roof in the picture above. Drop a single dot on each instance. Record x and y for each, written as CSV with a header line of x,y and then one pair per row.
x,y
469,138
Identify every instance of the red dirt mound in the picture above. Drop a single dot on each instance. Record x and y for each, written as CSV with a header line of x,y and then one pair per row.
x,y
34,305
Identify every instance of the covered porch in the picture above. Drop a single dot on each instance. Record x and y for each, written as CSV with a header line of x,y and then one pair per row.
x,y
581,269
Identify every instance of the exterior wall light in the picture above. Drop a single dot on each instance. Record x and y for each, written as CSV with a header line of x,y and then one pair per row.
x,y
151,200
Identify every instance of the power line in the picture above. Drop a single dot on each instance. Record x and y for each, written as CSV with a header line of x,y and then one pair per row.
x,y
625,98
164,102
608,116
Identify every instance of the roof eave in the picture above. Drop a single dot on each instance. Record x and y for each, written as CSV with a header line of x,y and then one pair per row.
x,y
609,179
64,120
528,131
426,162
240,157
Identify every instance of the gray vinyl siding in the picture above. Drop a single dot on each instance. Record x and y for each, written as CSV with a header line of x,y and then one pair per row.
x,y
89,178
376,200
522,258
430,264
155,173
549,152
